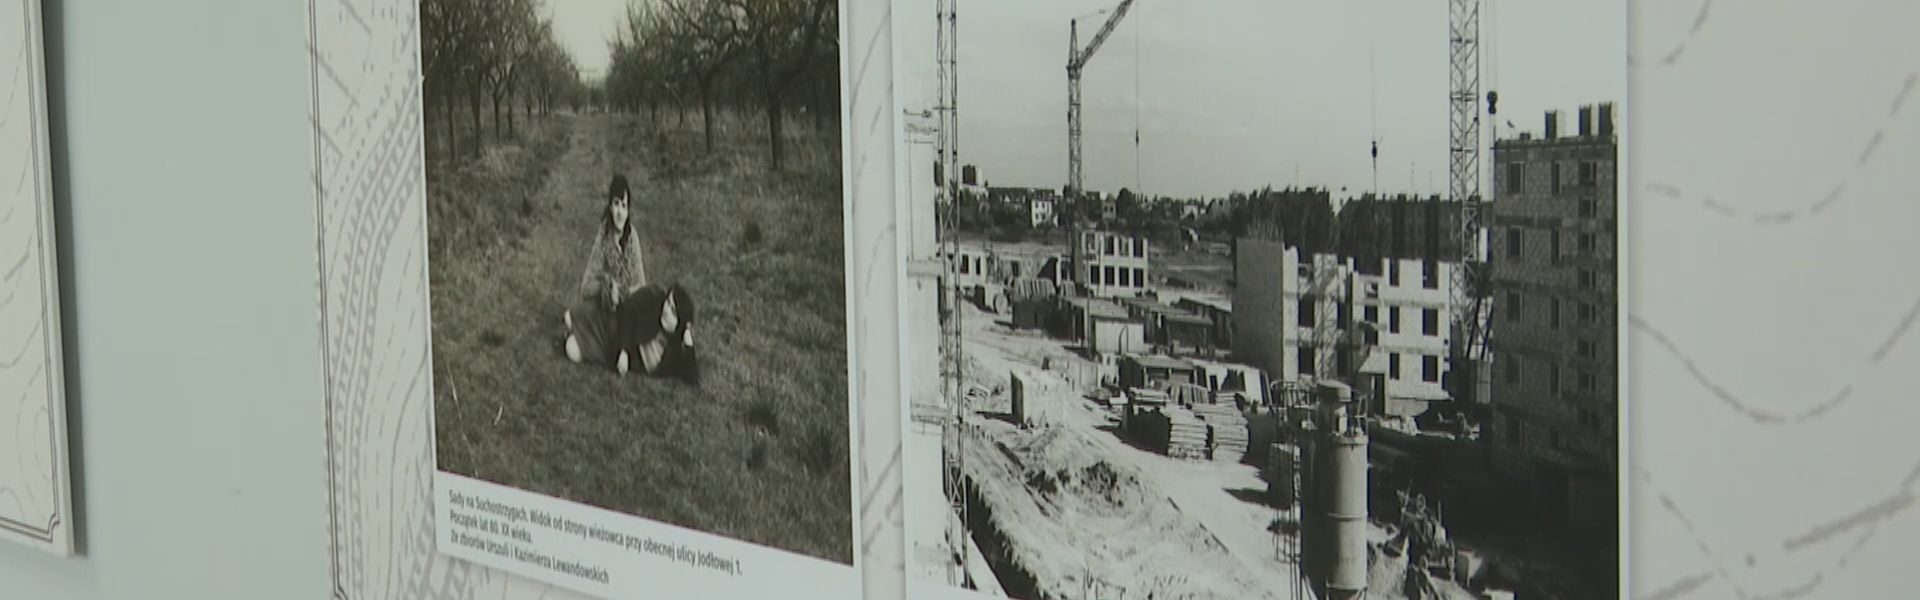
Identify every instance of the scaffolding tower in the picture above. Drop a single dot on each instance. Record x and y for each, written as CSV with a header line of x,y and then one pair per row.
x,y
1469,312
952,376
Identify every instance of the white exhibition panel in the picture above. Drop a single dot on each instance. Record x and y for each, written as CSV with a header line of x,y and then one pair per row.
x,y
36,506
1770,145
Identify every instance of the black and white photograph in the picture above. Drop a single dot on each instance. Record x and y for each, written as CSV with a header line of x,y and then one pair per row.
x,y
1262,300
636,253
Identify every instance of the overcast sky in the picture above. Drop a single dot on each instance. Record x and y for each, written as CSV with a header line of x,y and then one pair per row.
x,y
1238,94
585,27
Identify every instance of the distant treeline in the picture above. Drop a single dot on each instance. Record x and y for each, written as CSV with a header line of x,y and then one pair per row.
x,y
1368,229
481,60
777,58
772,58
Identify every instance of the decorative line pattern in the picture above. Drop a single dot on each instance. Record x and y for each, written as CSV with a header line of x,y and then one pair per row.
x,y
1672,55
1827,533
1896,334
1811,209
367,177
33,447
866,34
1867,521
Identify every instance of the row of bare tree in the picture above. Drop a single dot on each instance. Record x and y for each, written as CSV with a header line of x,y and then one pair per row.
x,y
484,58
779,58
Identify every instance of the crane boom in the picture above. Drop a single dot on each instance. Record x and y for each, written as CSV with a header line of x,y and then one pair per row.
x,y
1077,58
1080,57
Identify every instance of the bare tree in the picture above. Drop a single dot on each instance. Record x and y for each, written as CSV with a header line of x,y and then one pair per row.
x,y
786,37
476,51
702,41
775,56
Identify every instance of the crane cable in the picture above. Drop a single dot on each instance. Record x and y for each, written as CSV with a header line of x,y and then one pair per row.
x,y
1138,185
1490,50
1493,50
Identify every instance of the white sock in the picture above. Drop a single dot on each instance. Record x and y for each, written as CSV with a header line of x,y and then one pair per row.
x,y
650,354
573,349
621,363
669,316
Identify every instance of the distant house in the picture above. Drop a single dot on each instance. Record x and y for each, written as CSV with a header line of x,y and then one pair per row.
x,y
1109,264
1250,383
973,263
1176,330
1035,303
1103,327
1218,312
1185,332
1040,211
1152,371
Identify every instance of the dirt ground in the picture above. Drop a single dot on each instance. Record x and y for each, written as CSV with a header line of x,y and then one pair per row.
x,y
1078,506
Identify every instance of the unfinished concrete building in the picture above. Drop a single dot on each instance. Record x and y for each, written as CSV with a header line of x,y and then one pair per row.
x,y
1292,314
1555,330
1109,265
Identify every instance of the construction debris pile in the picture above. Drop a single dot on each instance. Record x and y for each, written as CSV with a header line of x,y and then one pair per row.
x,y
1066,520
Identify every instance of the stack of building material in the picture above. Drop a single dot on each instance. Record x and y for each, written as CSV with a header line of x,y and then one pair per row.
x,y
1229,442
1187,394
1186,434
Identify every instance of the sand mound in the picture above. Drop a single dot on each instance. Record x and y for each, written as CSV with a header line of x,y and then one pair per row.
x,y
1074,520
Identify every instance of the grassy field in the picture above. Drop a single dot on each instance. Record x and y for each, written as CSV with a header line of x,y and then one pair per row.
x,y
758,451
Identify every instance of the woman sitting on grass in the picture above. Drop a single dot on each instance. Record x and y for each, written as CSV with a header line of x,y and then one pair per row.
x,y
619,318
614,271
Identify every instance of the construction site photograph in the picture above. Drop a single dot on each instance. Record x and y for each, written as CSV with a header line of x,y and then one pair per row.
x,y
637,263
1247,299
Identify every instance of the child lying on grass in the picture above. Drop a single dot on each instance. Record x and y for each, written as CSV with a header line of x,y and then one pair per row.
x,y
620,320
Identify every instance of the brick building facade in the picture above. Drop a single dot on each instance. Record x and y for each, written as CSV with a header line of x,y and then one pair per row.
x,y
1552,240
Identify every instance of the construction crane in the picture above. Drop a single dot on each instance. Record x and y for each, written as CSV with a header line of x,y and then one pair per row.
x,y
1470,311
1077,58
952,372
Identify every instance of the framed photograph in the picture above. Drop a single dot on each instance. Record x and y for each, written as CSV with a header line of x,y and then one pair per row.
x,y
586,298
1294,302
36,503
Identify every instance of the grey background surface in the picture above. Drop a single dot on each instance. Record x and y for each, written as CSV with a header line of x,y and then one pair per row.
x,y
1773,302
182,142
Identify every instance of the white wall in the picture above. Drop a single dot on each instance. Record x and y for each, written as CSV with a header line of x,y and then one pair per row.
x,y
1410,298
1262,314
1119,337
183,157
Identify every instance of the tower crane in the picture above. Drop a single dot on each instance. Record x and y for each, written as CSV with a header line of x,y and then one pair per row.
x,y
1468,298
1077,58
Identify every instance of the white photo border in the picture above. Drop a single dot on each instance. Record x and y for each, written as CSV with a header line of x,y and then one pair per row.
x,y
1623,189
368,148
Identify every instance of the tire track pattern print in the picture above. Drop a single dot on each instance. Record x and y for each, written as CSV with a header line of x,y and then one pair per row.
x,y
1772,453
367,173
34,501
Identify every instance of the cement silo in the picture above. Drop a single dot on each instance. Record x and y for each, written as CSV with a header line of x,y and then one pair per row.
x,y
1337,533
1346,511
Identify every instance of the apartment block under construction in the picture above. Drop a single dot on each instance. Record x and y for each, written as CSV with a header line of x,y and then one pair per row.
x,y
1552,251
